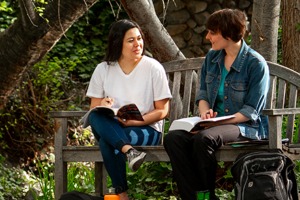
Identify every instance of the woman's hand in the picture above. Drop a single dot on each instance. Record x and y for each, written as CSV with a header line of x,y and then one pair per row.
x,y
101,102
208,114
161,109
107,102
125,122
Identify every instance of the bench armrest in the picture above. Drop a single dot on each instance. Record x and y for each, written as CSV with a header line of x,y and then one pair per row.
x,y
282,111
275,124
66,114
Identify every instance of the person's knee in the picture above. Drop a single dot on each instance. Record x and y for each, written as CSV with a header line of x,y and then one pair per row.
x,y
206,140
96,135
202,138
95,117
170,137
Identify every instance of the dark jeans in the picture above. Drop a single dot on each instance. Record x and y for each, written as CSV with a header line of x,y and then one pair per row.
x,y
112,136
193,159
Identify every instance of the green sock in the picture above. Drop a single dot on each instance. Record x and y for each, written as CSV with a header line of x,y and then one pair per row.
x,y
203,195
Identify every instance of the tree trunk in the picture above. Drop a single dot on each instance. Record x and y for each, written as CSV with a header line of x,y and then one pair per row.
x,y
264,28
30,37
291,34
157,38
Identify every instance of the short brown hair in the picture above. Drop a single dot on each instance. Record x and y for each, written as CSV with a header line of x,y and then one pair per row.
x,y
231,23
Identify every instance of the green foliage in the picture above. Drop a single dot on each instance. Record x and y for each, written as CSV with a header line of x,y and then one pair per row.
x,y
81,177
296,128
147,182
279,41
46,87
58,82
297,171
152,181
46,180
11,182
8,14
86,41
39,7
298,27
224,194
54,77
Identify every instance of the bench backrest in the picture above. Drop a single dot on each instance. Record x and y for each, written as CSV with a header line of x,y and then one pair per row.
x,y
184,75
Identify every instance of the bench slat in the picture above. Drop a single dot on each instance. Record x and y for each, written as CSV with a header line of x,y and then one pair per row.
x,y
187,92
271,97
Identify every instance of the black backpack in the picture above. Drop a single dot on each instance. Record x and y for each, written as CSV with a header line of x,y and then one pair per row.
x,y
264,175
75,195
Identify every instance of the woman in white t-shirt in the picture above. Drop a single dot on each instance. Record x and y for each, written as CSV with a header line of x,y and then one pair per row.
x,y
127,76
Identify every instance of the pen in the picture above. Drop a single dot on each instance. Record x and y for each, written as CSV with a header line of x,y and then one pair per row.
x,y
107,99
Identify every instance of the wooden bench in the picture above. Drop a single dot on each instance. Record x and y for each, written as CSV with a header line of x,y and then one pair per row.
x,y
282,108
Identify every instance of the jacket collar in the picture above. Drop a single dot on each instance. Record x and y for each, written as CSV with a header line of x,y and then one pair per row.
x,y
239,60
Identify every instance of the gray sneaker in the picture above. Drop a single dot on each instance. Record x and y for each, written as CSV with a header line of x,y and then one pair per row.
x,y
135,159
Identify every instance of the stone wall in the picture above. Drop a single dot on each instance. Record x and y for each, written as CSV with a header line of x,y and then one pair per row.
x,y
185,21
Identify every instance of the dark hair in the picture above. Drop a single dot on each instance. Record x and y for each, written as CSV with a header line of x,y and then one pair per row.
x,y
116,36
231,23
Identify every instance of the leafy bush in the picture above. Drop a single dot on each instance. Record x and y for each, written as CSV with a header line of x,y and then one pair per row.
x,y
58,82
8,14
11,182
147,182
81,177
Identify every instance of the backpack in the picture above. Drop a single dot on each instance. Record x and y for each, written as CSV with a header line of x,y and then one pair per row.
x,y
75,195
264,175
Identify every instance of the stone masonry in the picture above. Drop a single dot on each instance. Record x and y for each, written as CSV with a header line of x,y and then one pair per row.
x,y
185,21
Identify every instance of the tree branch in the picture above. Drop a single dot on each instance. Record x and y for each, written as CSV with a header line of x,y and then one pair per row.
x,y
157,38
34,40
28,15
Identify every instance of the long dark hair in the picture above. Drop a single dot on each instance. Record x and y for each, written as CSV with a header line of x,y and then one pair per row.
x,y
116,36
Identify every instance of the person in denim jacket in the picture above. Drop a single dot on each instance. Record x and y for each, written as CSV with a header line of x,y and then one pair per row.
x,y
234,81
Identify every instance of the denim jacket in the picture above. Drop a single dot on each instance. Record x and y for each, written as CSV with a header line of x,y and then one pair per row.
x,y
245,90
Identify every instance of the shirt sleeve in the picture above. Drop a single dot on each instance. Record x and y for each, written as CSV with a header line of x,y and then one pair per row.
x,y
95,88
258,90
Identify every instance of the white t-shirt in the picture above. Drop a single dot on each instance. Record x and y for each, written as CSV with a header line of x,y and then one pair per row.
x,y
144,85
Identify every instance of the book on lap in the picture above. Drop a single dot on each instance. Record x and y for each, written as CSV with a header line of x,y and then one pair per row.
x,y
194,123
126,112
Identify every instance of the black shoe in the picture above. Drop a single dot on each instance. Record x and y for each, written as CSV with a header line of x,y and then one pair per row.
x,y
135,158
213,197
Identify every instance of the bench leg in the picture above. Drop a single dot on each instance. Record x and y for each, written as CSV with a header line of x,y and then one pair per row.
x,y
60,179
100,178
275,125
60,171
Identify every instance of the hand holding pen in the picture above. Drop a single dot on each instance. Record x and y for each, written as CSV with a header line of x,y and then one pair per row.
x,y
107,101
